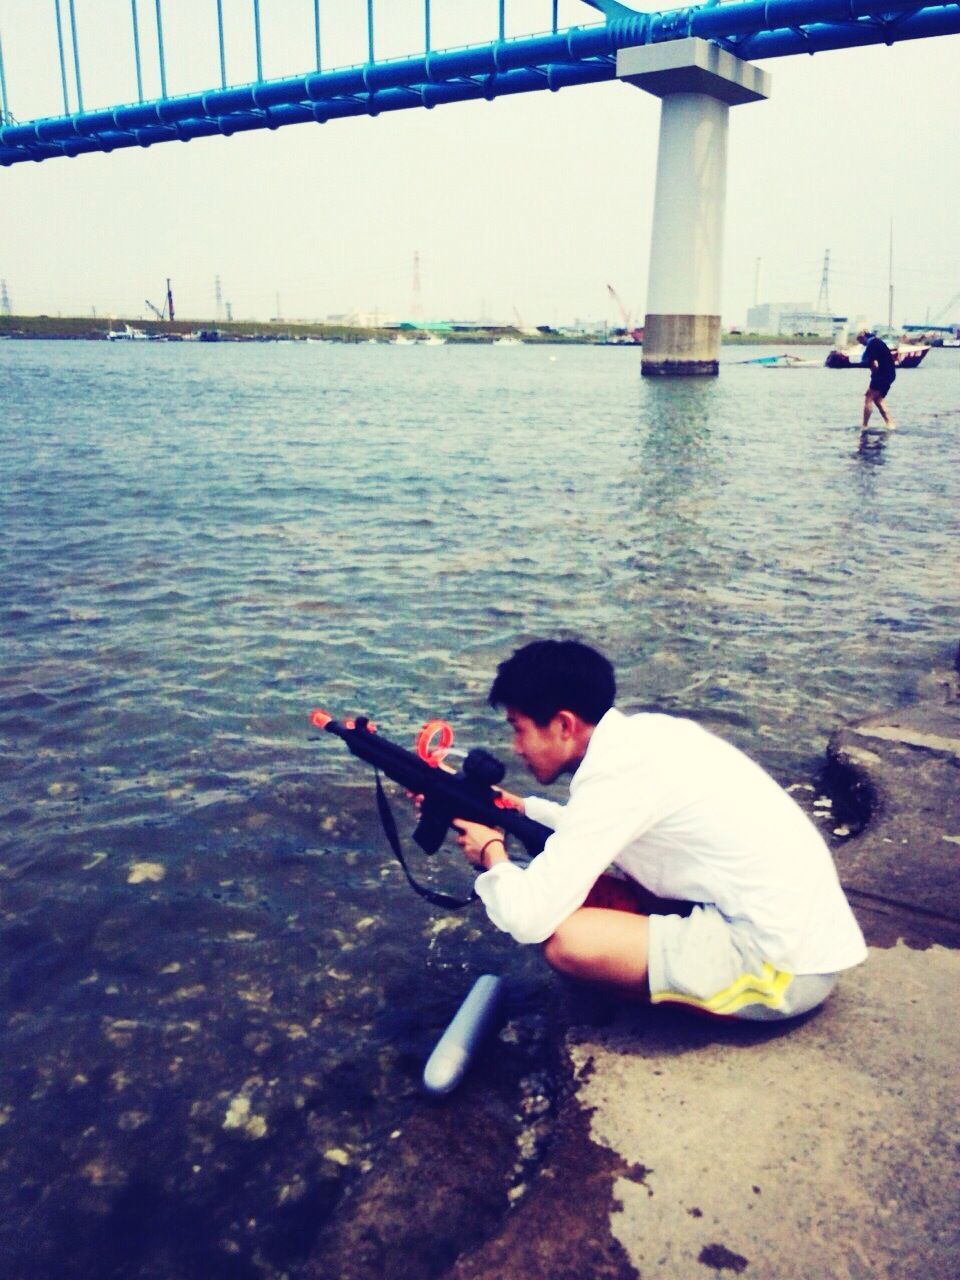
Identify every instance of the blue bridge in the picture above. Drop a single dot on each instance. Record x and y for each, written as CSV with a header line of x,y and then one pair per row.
x,y
694,59
429,78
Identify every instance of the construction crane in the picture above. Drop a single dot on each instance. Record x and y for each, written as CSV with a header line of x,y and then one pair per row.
x,y
521,327
629,333
938,323
945,311
167,312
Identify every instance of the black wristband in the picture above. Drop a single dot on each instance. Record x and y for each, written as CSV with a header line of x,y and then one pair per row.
x,y
492,840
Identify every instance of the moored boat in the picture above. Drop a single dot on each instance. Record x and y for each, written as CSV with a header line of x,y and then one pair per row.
x,y
905,356
126,334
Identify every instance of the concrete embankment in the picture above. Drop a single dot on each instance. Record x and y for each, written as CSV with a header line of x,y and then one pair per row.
x,y
896,777
826,1148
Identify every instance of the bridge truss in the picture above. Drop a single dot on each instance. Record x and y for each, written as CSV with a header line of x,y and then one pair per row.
x,y
753,29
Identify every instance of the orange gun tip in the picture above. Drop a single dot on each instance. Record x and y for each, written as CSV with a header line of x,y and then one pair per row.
x,y
319,719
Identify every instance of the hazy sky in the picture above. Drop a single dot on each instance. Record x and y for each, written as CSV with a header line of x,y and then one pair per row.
x,y
526,206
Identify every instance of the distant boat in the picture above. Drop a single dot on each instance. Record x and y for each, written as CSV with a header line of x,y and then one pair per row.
x,y
905,356
784,361
126,334
507,341
433,341
401,341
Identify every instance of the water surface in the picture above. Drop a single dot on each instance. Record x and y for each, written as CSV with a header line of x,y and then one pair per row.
x,y
199,544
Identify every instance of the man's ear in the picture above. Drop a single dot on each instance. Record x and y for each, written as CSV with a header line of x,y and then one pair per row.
x,y
568,722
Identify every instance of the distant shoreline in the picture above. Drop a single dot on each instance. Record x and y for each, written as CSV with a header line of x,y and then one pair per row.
x,y
93,329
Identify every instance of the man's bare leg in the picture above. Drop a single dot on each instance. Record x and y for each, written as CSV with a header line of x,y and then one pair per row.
x,y
890,424
605,947
869,400
867,408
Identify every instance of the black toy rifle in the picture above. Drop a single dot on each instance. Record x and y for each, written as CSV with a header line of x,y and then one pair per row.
x,y
470,793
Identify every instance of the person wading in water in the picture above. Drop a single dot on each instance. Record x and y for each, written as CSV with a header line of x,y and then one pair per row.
x,y
878,358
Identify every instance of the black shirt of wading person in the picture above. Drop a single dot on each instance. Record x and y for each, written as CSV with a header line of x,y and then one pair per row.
x,y
881,378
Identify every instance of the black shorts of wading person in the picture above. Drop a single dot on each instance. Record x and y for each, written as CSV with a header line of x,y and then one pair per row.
x,y
678,871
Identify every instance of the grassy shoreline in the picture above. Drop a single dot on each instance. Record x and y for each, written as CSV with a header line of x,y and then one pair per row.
x,y
88,328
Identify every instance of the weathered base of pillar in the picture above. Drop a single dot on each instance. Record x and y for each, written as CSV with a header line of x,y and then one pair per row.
x,y
679,368
681,346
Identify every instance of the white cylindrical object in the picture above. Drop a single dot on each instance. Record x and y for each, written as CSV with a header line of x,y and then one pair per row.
x,y
458,1044
687,243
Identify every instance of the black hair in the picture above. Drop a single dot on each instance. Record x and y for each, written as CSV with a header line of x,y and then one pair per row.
x,y
547,676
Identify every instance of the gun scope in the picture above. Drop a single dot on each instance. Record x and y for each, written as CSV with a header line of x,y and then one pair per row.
x,y
481,769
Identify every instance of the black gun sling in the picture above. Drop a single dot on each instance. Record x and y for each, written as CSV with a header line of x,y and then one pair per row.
x,y
393,838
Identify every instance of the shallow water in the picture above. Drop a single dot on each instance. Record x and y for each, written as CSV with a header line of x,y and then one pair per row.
x,y
202,542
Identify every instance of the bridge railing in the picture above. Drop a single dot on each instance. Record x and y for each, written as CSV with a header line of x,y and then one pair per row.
x,y
176,48
504,64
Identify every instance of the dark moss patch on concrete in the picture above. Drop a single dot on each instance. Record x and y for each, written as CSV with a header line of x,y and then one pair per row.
x,y
562,1228
721,1258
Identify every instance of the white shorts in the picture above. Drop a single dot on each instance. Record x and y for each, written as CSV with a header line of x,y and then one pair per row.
x,y
699,961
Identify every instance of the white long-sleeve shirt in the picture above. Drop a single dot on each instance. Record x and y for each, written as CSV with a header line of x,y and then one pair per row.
x,y
691,817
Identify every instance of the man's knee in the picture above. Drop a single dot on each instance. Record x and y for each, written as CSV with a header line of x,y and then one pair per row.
x,y
581,942
606,947
563,949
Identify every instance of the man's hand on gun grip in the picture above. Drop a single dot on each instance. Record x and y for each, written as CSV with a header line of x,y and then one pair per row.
x,y
482,846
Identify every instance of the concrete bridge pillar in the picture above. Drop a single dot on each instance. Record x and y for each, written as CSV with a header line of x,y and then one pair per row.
x,y
697,83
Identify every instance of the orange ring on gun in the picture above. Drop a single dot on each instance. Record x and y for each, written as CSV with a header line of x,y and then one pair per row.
x,y
431,752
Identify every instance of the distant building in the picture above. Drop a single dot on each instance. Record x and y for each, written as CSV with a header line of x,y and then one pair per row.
x,y
766,317
361,319
582,327
820,323
791,318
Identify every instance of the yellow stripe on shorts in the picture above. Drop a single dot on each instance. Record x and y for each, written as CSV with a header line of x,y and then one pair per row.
x,y
766,987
